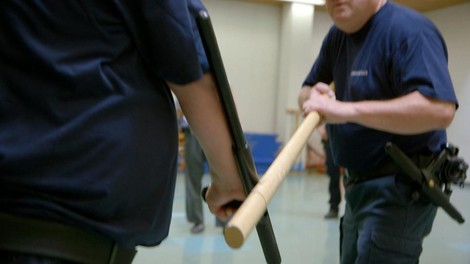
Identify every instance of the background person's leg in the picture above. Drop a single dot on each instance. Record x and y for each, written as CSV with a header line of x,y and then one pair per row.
x,y
334,173
194,171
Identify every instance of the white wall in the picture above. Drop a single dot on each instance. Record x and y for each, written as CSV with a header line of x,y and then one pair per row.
x,y
248,38
296,37
454,24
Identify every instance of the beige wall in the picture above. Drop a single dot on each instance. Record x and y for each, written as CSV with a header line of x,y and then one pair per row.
x,y
248,38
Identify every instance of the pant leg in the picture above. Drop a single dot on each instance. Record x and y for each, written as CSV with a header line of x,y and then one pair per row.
x,y
334,173
194,171
390,226
348,237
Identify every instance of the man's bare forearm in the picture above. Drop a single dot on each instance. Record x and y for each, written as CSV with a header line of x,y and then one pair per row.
x,y
410,114
202,108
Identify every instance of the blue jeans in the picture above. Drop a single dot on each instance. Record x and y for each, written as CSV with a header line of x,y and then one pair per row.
x,y
383,224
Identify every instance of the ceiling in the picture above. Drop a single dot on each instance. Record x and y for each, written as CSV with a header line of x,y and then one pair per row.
x,y
419,5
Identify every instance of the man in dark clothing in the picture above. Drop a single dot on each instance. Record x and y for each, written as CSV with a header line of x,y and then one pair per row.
x,y
392,84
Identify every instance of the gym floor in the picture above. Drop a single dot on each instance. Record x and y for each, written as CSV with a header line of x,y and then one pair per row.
x,y
303,235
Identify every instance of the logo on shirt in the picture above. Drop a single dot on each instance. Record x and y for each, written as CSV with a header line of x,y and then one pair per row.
x,y
359,73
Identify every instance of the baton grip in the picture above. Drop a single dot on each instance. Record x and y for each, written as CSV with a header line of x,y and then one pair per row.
x,y
232,204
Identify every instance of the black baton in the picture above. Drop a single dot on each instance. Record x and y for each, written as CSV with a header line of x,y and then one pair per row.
x,y
241,148
429,186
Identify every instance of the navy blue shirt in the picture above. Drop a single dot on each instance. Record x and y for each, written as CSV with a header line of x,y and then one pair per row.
x,y
397,52
88,132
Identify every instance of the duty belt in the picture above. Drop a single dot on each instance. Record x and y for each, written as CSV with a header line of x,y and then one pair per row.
x,y
51,239
389,168
385,169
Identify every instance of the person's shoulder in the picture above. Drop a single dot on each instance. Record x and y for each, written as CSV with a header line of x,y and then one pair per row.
x,y
408,22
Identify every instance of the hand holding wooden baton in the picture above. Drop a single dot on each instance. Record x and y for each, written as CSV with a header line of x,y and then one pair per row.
x,y
233,205
253,211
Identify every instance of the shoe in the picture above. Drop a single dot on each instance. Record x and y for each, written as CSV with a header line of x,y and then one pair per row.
x,y
197,228
332,214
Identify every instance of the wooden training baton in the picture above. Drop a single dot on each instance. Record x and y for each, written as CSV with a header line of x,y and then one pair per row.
x,y
255,205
